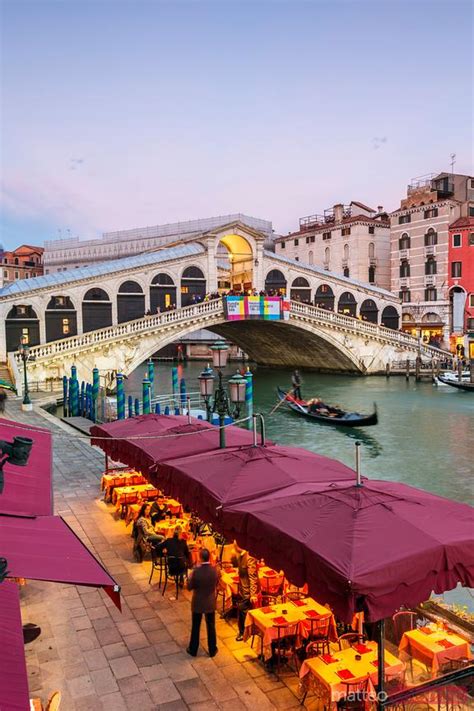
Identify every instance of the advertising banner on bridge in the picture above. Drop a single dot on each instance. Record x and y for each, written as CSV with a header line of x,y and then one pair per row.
x,y
238,308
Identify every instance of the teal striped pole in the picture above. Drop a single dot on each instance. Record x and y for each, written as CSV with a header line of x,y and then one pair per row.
x,y
95,392
151,377
75,392
249,397
174,381
146,396
69,399
65,395
130,406
137,407
120,397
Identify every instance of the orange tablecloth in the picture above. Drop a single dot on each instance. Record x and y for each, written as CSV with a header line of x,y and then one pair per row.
x,y
324,681
121,477
293,615
424,646
230,583
168,526
133,509
129,494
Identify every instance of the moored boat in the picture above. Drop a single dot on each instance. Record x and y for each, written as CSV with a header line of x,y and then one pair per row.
x,y
463,385
328,414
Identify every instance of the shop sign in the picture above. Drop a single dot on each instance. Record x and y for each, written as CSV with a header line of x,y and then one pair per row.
x,y
268,308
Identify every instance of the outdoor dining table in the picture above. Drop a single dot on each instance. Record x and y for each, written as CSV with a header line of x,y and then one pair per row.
x,y
265,621
167,526
174,507
111,480
326,674
230,579
433,646
130,494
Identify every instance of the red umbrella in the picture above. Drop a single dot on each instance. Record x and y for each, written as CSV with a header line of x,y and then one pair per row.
x,y
14,694
374,548
208,481
145,441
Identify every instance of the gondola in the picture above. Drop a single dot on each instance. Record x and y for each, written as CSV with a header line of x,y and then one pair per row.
x,y
334,416
463,385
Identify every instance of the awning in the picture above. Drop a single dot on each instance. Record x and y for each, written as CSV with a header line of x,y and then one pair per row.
x,y
145,441
46,548
14,694
28,490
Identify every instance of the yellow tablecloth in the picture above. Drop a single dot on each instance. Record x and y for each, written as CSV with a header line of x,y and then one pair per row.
x,y
125,478
324,681
230,583
133,509
129,494
168,526
426,647
293,615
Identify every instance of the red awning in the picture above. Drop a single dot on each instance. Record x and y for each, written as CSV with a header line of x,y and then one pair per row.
x,y
375,547
145,441
14,694
210,480
28,490
46,548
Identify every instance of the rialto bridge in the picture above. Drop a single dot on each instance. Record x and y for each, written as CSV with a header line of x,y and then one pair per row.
x,y
116,314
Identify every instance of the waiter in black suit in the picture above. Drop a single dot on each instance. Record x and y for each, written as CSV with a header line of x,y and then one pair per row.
x,y
203,582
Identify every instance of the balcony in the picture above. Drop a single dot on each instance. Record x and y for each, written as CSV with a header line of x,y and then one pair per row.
x,y
404,254
430,280
404,282
430,250
373,261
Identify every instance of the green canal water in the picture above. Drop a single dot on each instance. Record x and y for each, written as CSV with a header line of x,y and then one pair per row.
x,y
425,434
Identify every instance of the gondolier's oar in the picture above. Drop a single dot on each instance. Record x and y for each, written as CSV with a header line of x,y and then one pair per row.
x,y
280,402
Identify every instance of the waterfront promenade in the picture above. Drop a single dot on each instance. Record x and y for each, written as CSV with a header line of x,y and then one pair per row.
x,y
100,658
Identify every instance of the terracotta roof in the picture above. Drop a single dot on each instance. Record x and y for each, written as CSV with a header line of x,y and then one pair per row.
x,y
462,222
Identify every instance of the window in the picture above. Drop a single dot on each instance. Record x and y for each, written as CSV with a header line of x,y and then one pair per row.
x,y
327,255
371,250
5,274
472,184
346,272
27,276
431,238
282,244
311,238
404,241
456,269
297,242
371,229
404,295
457,241
430,266
310,258
432,212
46,271
471,210
326,235
471,300
16,261
371,274
16,275
471,239
345,231
346,251
307,240
404,219
404,268
25,336
65,326
297,259
430,294
470,324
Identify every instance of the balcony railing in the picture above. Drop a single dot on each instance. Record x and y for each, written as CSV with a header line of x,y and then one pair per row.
x,y
404,254
404,282
430,250
430,280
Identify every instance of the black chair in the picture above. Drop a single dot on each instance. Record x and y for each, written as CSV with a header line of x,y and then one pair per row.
x,y
174,568
318,633
349,639
403,621
356,696
158,563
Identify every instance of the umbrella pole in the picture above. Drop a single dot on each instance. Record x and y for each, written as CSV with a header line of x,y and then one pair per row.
x,y
357,453
381,695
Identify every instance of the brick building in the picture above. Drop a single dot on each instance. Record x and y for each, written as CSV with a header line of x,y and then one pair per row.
x,y
461,281
352,240
24,262
419,235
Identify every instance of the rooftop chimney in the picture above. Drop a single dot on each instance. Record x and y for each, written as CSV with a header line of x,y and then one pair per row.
x,y
379,208
338,212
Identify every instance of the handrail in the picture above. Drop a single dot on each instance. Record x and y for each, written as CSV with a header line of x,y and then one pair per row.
x,y
215,308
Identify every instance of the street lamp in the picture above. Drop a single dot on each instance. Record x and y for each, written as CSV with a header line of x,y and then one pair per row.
x,y
24,351
222,401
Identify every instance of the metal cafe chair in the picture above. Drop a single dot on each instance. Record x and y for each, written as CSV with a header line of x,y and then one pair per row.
x,y
403,621
318,632
271,587
293,595
355,696
158,563
173,571
349,638
285,645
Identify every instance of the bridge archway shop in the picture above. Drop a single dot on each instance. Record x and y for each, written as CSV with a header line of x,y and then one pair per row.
x,y
369,311
96,310
193,286
21,325
235,262
301,290
130,301
324,297
275,283
347,304
390,318
162,293
60,318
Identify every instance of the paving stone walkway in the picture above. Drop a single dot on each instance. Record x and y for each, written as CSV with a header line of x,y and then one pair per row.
x,y
103,659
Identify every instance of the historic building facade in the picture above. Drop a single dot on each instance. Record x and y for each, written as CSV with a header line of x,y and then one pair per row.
x,y
461,282
419,234
24,262
352,240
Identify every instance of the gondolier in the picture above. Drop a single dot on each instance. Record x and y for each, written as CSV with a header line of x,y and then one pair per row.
x,y
296,382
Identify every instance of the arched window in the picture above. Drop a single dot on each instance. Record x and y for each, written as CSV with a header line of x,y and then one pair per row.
x,y
162,280
192,273
60,318
96,295
300,290
162,293
346,252
310,258
390,318
346,272
404,241
130,287
347,304
371,250
404,268
369,311
431,237
430,266
324,297
21,326
193,286
327,256
130,302
96,310
275,282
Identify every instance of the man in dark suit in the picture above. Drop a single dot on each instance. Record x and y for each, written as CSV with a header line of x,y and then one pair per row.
x,y
203,583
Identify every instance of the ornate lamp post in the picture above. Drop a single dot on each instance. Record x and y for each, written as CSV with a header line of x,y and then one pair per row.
x,y
222,400
24,351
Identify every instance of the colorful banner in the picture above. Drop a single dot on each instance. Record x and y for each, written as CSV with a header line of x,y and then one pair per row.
x,y
238,308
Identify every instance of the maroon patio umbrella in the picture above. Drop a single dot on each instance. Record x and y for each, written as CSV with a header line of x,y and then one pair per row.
x,y
28,490
374,547
207,481
14,694
145,441
46,548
